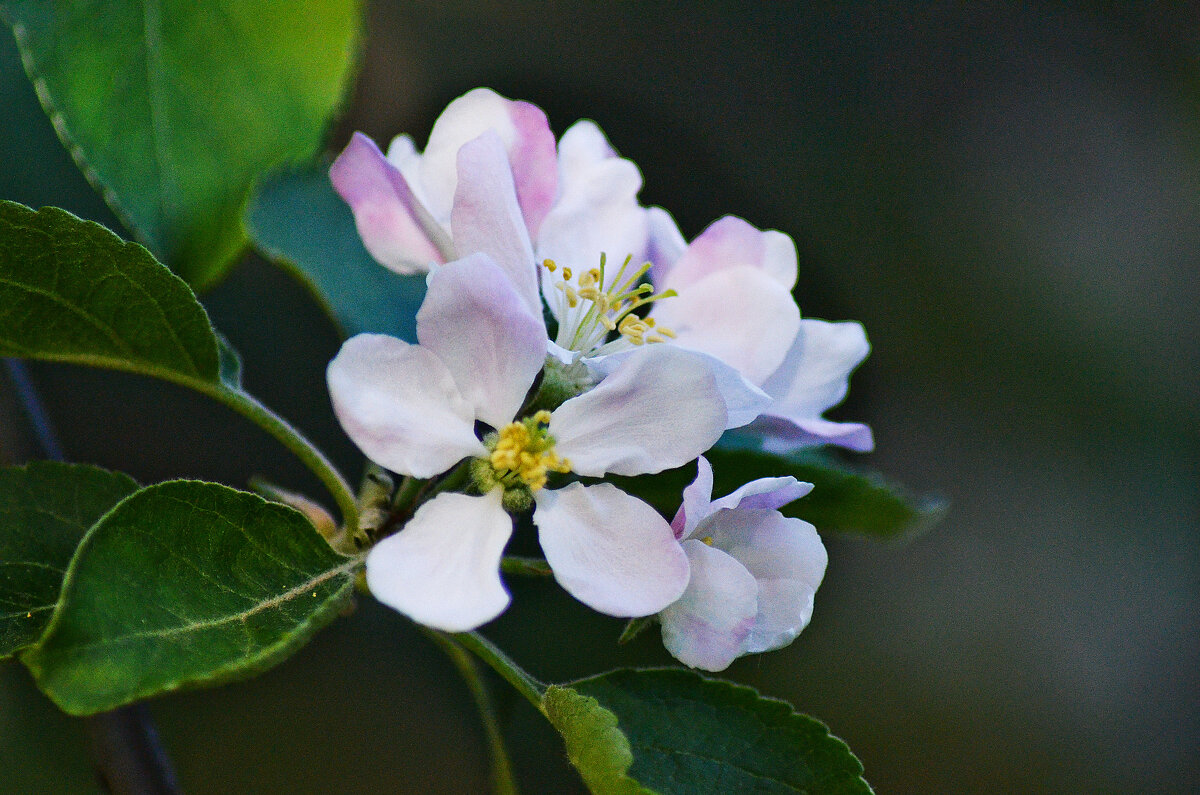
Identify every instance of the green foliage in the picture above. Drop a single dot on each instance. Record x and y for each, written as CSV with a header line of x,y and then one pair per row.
x,y
675,732
185,583
298,220
72,291
173,108
842,500
45,509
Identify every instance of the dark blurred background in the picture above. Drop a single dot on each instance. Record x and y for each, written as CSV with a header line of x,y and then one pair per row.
x,y
1005,195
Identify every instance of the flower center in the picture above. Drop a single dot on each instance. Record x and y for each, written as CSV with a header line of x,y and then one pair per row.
x,y
522,453
595,304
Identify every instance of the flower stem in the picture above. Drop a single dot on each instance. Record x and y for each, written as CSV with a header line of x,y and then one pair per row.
x,y
527,567
503,781
502,664
250,408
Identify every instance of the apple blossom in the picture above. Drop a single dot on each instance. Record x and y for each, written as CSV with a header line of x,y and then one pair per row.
x,y
754,572
415,410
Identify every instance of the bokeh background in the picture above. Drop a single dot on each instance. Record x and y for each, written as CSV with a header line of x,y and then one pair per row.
x,y
1006,195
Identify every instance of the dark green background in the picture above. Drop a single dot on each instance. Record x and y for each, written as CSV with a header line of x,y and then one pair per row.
x,y
1006,197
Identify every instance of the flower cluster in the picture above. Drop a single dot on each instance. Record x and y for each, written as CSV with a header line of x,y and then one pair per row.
x,y
654,347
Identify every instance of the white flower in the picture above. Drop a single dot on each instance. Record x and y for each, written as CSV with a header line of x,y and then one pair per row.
x,y
754,572
574,211
414,410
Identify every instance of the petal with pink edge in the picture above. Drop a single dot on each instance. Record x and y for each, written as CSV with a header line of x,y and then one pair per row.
x,y
659,409
788,561
729,242
443,569
395,227
814,377
486,217
764,494
609,550
665,244
526,140
697,497
708,626
740,315
400,405
478,325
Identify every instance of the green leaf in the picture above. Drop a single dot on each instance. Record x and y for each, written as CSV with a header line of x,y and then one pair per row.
x,y
297,219
185,583
72,291
173,108
45,509
842,500
230,360
675,732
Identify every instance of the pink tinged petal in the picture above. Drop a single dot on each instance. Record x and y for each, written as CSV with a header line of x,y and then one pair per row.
x,y
659,409
526,139
665,244
486,217
697,497
708,626
400,405
814,377
394,226
534,159
597,208
764,494
443,569
610,551
478,325
783,435
788,561
729,242
743,400
740,315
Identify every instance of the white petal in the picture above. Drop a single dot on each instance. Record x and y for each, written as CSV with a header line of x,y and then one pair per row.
x,y
443,568
697,497
597,208
730,242
764,494
708,626
814,377
659,409
478,325
400,405
743,400
740,315
394,226
487,218
610,551
788,561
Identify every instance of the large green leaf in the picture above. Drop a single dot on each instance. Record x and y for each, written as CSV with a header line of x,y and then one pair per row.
x,y
72,291
842,500
45,509
185,583
675,732
298,220
173,107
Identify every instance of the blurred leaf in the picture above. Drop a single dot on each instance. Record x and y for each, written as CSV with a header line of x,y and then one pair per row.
x,y
72,291
185,583
297,219
46,507
842,500
673,731
173,108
